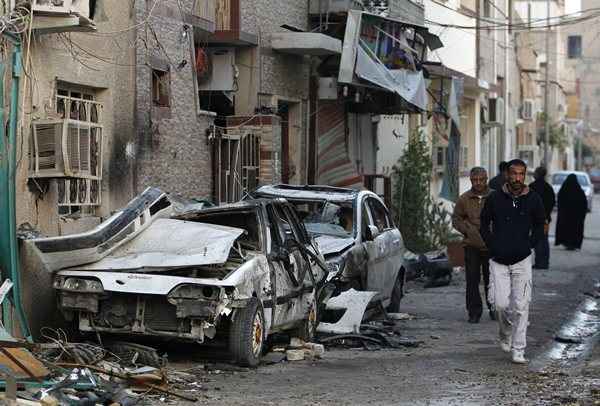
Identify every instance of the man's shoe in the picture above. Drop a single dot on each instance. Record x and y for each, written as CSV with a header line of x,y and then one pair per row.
x,y
493,315
518,357
474,319
505,345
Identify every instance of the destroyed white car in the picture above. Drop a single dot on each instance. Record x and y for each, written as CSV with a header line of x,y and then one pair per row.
x,y
237,272
355,233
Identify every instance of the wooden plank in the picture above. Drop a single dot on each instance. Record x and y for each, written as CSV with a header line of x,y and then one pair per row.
x,y
37,369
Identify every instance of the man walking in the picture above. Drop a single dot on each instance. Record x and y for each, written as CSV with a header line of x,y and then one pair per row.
x,y
466,219
545,191
499,180
512,223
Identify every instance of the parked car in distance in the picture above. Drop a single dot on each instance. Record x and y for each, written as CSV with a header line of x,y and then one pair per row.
x,y
584,181
235,273
595,178
355,233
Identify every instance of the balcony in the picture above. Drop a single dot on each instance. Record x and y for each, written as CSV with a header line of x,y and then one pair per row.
x,y
203,15
228,30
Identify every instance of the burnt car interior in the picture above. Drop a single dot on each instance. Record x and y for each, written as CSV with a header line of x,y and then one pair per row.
x,y
244,219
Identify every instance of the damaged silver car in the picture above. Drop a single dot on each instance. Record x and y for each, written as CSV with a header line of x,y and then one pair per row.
x,y
356,234
235,273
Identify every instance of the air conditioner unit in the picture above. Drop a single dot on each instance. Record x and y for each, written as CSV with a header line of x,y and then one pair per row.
x,y
527,109
220,71
80,7
496,111
78,192
65,148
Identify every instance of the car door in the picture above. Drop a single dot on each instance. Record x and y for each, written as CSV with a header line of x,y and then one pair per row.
x,y
390,239
290,267
372,245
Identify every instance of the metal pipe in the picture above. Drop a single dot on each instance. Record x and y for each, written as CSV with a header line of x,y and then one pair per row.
x,y
546,88
9,249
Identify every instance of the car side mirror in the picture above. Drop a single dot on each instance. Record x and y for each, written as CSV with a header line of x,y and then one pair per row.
x,y
372,232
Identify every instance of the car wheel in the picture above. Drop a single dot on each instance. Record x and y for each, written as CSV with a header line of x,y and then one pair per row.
x,y
397,293
308,329
247,334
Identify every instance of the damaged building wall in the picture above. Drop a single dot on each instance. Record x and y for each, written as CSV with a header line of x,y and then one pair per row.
x,y
99,67
172,148
265,77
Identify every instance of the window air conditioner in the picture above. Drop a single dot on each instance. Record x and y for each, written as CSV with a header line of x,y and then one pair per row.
x,y
65,148
496,111
220,70
80,7
78,192
527,109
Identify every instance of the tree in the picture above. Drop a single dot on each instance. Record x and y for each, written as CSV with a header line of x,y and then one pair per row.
x,y
425,224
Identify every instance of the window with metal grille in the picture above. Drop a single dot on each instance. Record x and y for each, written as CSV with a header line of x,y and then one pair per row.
x,y
81,147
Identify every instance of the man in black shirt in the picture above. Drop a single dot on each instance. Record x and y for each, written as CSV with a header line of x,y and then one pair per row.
x,y
512,223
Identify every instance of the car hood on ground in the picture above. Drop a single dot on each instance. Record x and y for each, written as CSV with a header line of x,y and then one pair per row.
x,y
329,244
168,243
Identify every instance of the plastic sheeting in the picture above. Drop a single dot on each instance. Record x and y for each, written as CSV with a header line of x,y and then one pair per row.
x,y
411,86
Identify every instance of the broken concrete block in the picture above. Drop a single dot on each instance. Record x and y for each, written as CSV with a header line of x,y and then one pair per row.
x,y
296,342
313,350
294,355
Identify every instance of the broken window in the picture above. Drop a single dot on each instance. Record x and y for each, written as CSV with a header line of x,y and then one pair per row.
x,y
327,218
161,88
380,216
366,221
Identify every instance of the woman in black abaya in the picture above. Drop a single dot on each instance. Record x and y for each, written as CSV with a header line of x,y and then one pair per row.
x,y
572,208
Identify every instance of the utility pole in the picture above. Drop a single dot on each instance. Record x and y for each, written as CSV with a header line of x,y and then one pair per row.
x,y
546,88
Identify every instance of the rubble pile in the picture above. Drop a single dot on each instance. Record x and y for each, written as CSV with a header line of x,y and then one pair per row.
x,y
59,372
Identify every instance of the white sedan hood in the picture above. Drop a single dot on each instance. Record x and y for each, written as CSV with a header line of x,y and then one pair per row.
x,y
169,243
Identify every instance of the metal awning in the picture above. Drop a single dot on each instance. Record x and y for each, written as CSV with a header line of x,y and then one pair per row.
x,y
306,43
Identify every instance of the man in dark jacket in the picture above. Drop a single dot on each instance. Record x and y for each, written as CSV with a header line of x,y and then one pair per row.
x,y
499,180
545,191
512,223
465,219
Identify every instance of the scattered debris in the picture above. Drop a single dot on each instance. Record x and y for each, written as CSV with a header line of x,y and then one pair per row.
x,y
273,358
294,355
132,354
354,304
400,316
372,336
434,267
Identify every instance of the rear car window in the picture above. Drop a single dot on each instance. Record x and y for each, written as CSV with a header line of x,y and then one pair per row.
x,y
559,178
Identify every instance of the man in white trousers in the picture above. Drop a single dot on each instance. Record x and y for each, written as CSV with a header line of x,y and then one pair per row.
x,y
512,223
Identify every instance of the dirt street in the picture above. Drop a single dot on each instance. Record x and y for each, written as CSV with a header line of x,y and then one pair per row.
x,y
458,364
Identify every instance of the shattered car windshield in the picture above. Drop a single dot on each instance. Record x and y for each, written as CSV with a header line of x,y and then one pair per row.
x,y
327,218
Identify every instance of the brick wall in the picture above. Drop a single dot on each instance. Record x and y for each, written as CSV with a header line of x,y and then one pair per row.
x,y
172,148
